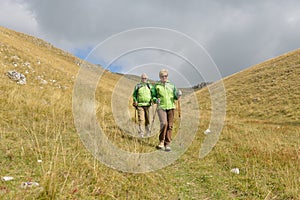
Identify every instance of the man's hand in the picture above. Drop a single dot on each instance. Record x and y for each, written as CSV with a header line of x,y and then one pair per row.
x,y
179,94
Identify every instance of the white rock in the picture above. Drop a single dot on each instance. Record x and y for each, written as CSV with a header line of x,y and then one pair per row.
x,y
235,170
44,82
15,57
27,64
29,184
7,178
16,76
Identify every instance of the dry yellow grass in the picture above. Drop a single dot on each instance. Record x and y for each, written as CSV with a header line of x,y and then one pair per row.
x,y
261,135
262,126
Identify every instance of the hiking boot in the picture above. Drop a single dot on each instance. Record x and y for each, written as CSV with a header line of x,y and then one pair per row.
x,y
160,146
168,148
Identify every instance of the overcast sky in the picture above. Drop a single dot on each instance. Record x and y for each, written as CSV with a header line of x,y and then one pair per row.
x,y
232,35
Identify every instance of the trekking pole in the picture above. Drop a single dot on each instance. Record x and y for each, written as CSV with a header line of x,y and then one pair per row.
x,y
135,108
179,109
179,115
178,103
154,118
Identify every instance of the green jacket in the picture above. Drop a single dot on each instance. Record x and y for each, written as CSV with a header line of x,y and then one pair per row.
x,y
143,93
167,93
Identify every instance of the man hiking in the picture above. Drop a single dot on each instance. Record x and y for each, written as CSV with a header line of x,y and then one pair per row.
x,y
142,99
165,94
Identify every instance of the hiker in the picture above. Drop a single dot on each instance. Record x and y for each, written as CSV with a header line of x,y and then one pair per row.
x,y
142,100
165,94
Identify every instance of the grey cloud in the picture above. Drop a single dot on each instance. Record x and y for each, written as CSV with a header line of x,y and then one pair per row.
x,y
15,15
237,34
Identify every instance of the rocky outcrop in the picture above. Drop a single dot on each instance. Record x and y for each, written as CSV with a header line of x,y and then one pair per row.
x,y
16,76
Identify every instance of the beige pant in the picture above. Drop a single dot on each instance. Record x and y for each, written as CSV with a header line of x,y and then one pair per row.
x,y
143,119
166,118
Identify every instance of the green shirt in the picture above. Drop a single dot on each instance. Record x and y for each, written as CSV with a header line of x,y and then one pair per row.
x,y
167,93
143,93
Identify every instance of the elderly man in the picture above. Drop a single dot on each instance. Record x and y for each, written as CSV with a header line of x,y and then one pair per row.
x,y
142,99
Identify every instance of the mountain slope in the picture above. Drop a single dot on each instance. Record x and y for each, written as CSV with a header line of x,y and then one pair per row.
x,y
260,137
268,92
262,129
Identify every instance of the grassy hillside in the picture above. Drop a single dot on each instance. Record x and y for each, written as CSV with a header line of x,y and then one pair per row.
x,y
268,92
261,135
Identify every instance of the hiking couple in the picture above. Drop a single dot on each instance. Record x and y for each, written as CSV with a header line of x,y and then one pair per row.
x,y
163,93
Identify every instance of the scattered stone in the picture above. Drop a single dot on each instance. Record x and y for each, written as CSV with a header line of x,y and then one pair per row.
x,y
16,76
25,185
235,170
207,131
77,62
202,85
27,63
256,99
44,82
7,178
14,57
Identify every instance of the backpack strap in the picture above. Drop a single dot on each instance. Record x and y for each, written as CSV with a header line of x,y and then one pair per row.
x,y
148,85
140,85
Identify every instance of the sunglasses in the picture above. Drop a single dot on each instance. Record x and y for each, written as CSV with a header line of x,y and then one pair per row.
x,y
164,76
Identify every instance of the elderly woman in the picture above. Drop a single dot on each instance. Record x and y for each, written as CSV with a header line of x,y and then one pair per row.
x,y
165,95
